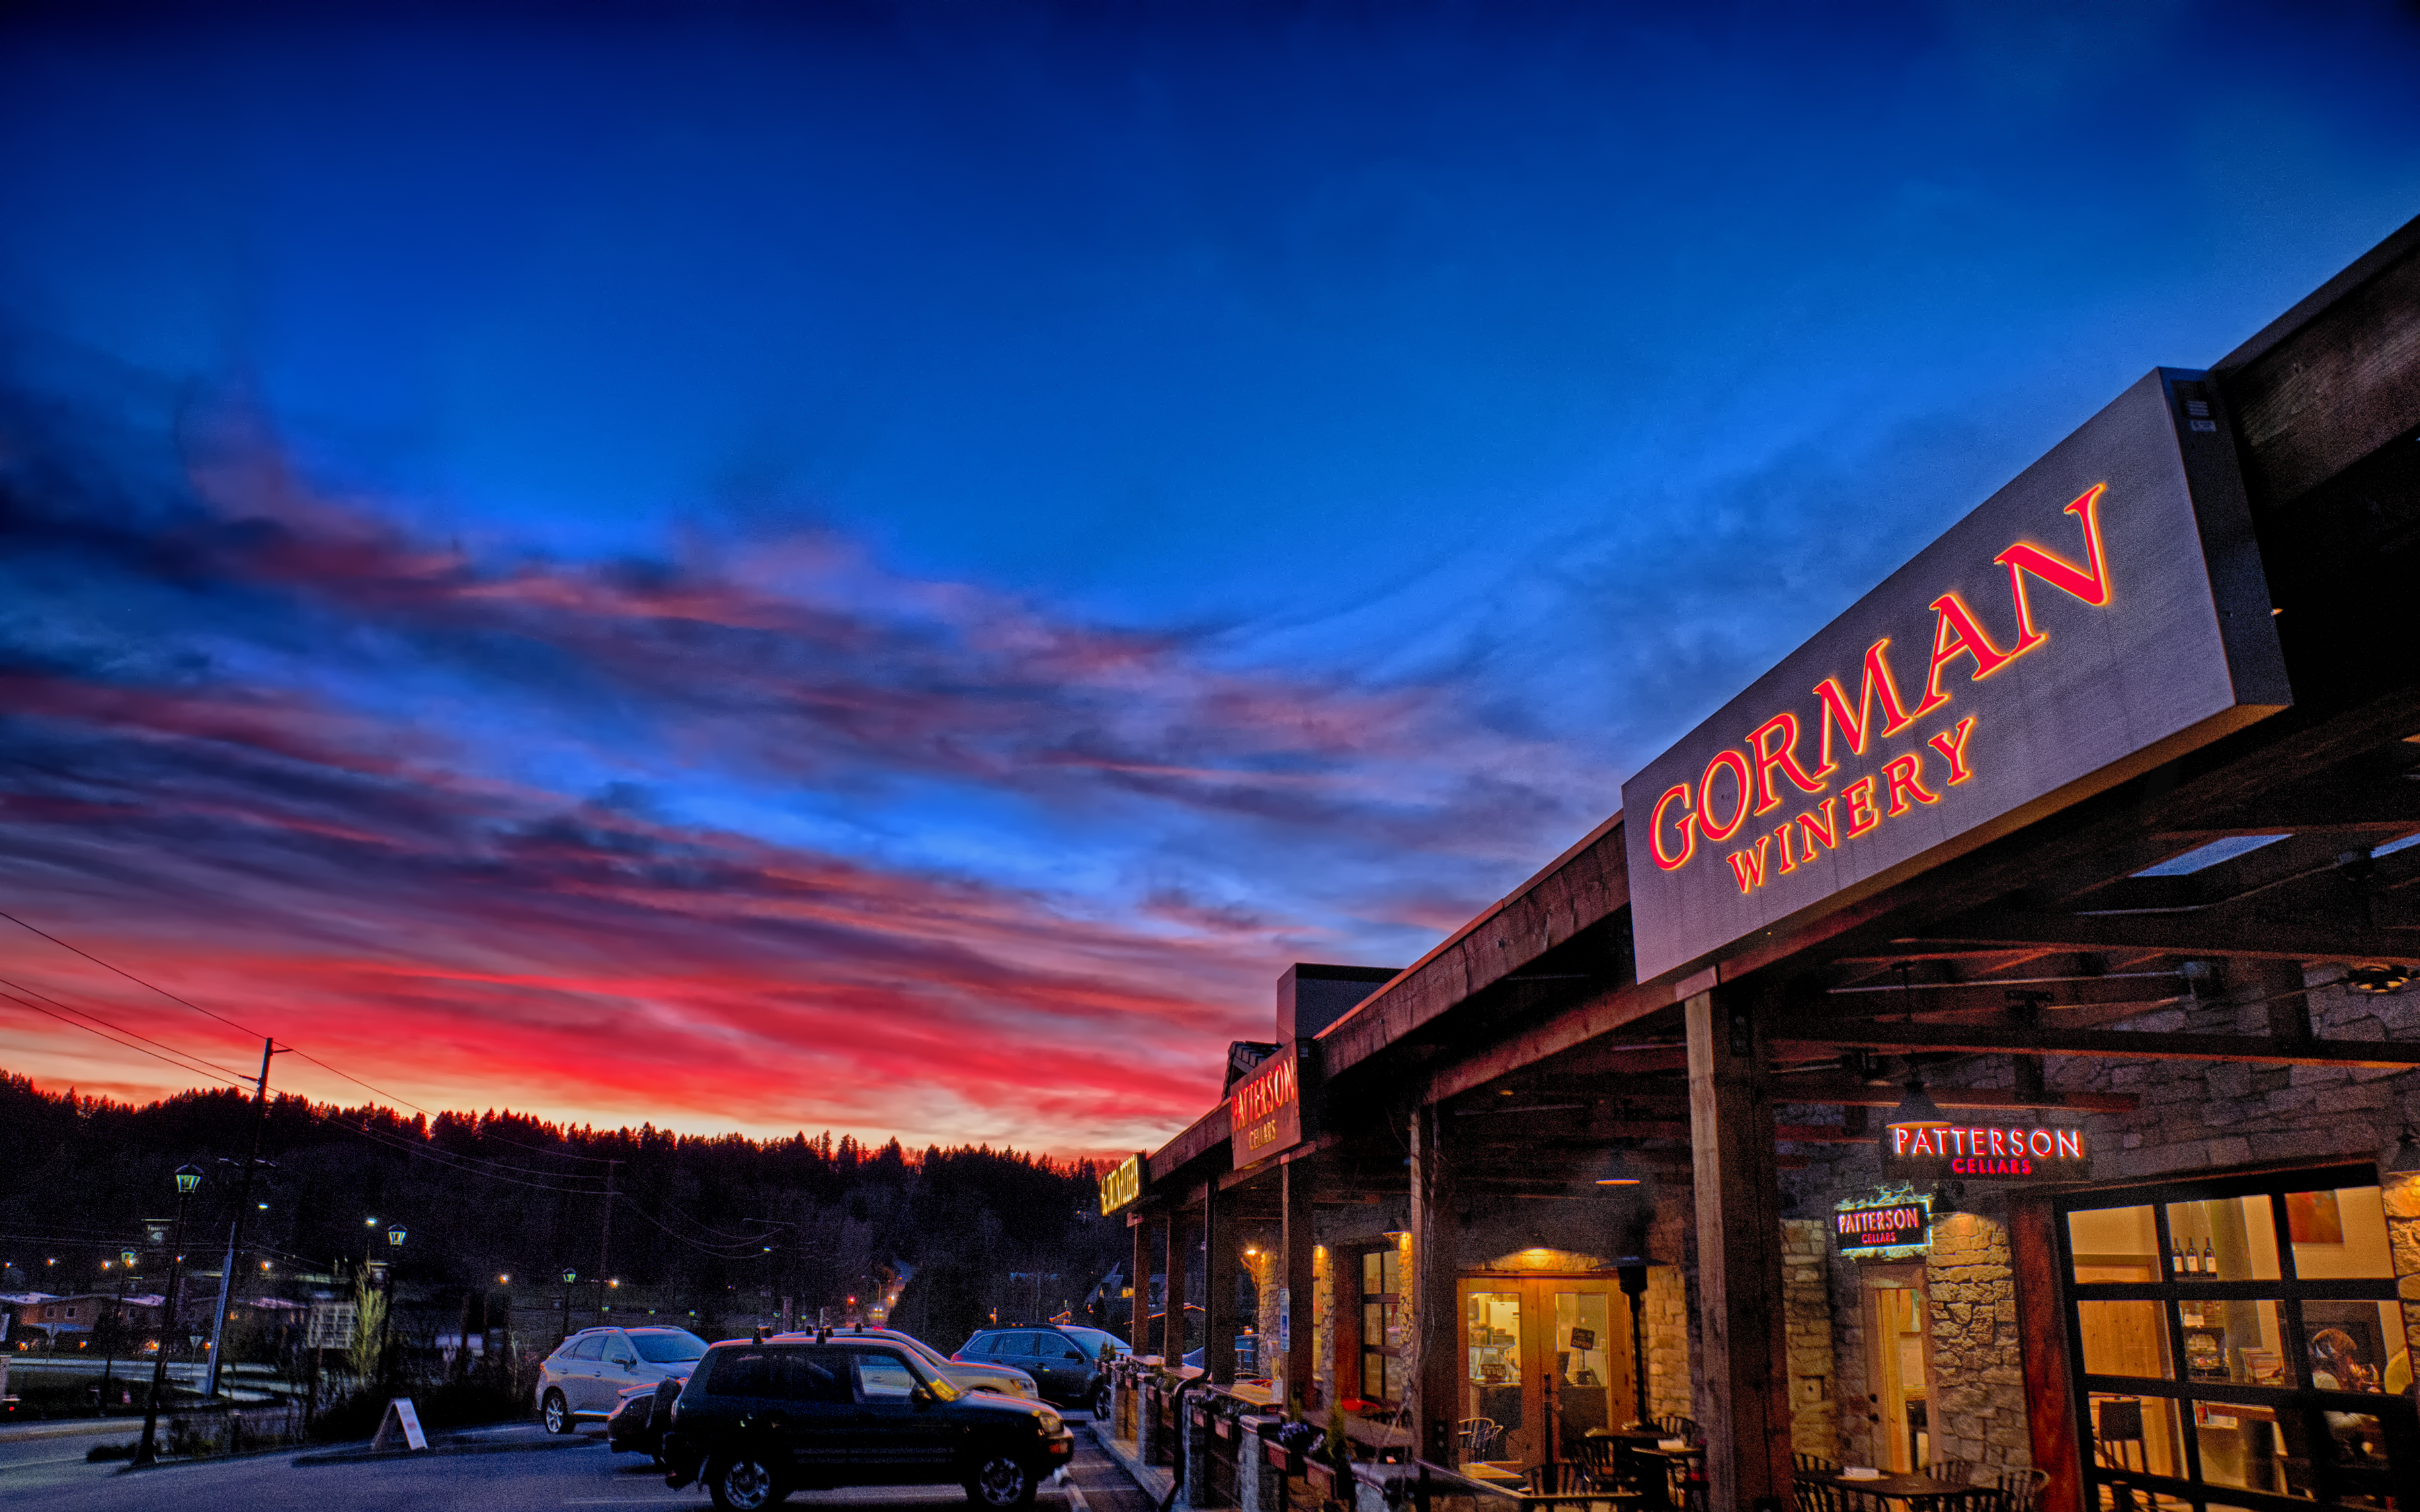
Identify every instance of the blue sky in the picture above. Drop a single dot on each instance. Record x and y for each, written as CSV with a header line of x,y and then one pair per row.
x,y
1216,484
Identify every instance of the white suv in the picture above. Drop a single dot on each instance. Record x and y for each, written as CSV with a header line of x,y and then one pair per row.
x,y
586,1375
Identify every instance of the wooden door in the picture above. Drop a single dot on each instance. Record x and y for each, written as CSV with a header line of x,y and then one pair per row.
x,y
1899,1367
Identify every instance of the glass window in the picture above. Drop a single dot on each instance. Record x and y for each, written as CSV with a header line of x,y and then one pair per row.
x,y
883,1378
812,1376
590,1348
2352,1344
2125,1338
2222,1239
2114,1245
668,1346
2338,1235
740,1373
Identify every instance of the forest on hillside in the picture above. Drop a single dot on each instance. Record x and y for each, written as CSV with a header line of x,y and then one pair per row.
x,y
723,1225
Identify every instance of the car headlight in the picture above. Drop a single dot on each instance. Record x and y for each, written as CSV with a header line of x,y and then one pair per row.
x,y
1051,1424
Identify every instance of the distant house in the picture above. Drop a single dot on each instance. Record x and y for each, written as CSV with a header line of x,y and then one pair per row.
x,y
41,1315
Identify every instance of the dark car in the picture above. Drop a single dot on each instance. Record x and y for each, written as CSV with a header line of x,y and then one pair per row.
x,y
1069,1364
636,1425
759,1420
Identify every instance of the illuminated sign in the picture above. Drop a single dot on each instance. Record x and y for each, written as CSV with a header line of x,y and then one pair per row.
x,y
1264,1111
1894,1227
1122,1186
2103,613
2001,1152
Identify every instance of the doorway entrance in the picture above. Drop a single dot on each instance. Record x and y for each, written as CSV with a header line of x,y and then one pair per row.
x,y
1546,1359
1898,1367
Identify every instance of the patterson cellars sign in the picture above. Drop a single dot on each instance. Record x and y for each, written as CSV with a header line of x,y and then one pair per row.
x,y
2103,613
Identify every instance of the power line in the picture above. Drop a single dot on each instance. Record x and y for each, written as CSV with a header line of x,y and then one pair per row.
x,y
222,1018
224,1071
198,1070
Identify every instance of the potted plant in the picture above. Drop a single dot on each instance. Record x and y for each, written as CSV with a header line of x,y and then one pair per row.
x,y
1289,1450
1331,1466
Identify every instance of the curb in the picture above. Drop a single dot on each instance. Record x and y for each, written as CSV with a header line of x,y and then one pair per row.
x,y
439,1451
72,1428
1151,1480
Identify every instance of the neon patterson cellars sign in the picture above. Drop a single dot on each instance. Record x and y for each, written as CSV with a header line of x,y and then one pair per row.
x,y
1893,1226
1264,1111
2102,612
1941,1151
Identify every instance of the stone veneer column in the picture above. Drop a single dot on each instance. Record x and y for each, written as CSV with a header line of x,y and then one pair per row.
x,y
1323,1324
2402,1196
1977,1410
1806,1330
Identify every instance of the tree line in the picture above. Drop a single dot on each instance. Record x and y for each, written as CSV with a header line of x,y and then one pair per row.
x,y
724,1226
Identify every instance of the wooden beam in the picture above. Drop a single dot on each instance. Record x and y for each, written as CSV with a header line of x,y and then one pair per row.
x,y
1294,1263
1140,1275
2041,1340
1173,1291
2125,1044
1220,1263
2214,932
1847,1091
1581,888
1436,1316
1745,1371
1599,1013
2341,382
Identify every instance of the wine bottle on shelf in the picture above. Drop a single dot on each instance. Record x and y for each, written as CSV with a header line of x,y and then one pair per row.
x,y
2193,1260
2208,1261
2176,1261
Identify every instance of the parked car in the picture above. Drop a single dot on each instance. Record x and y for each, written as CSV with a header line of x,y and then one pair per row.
x,y
636,1425
1067,1362
583,1379
1004,1380
757,1421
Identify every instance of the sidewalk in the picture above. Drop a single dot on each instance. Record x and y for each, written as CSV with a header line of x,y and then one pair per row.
x,y
1154,1481
69,1428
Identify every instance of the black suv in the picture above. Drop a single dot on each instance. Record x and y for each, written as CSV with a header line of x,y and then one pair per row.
x,y
760,1420
1070,1365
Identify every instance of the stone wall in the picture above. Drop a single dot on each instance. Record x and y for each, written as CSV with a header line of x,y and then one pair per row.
x,y
1672,1317
1322,1330
1806,1325
1977,1410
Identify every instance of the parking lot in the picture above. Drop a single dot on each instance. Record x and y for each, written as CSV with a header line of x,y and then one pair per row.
x,y
512,1468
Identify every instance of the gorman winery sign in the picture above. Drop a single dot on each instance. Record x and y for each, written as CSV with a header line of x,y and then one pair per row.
x,y
2103,613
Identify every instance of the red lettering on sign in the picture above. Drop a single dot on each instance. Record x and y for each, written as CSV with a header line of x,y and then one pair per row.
x,y
1725,760
1748,866
1857,725
1956,634
1664,859
1905,775
1776,744
1825,829
2090,583
1951,743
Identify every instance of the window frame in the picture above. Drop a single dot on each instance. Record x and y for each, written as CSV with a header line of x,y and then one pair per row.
x,y
1389,1304
2286,1290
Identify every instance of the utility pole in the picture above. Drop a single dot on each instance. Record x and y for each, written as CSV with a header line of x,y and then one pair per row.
x,y
235,1231
605,1240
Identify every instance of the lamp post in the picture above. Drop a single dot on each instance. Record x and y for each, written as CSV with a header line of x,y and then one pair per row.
x,y
570,1279
188,1178
116,1322
394,1236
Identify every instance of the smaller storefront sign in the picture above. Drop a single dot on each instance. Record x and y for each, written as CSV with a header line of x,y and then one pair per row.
x,y
1931,1151
1895,1226
1264,1111
1123,1186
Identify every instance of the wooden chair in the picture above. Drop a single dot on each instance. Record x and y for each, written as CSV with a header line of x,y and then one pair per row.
x,y
1818,1495
1676,1427
1478,1438
2021,1489
1598,1455
2118,1426
1815,1465
1955,1472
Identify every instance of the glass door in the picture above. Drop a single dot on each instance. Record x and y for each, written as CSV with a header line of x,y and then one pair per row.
x,y
1898,1368
1546,1359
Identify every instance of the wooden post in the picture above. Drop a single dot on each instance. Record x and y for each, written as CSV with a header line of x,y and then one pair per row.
x,y
1436,1316
1739,1257
2041,1342
1219,1267
1172,1331
1300,1369
1139,1275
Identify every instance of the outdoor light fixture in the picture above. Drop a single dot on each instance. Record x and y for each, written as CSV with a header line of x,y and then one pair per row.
x,y
569,1276
1916,1111
188,1178
395,1237
2377,977
127,1256
1617,1171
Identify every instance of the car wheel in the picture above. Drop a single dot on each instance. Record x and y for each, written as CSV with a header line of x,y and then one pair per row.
x,y
1002,1484
743,1483
1099,1404
556,1413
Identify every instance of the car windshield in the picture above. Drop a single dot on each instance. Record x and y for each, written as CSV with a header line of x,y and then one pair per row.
x,y
1093,1338
670,1346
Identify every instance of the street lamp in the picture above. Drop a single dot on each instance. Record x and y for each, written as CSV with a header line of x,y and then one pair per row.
x,y
395,1233
570,1279
116,1322
188,1178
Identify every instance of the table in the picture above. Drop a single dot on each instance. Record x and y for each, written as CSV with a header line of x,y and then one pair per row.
x,y
1891,1486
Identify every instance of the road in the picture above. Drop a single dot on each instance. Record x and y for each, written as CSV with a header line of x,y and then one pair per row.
x,y
531,1474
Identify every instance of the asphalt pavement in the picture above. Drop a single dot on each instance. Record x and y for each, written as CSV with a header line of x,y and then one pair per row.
x,y
519,1469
